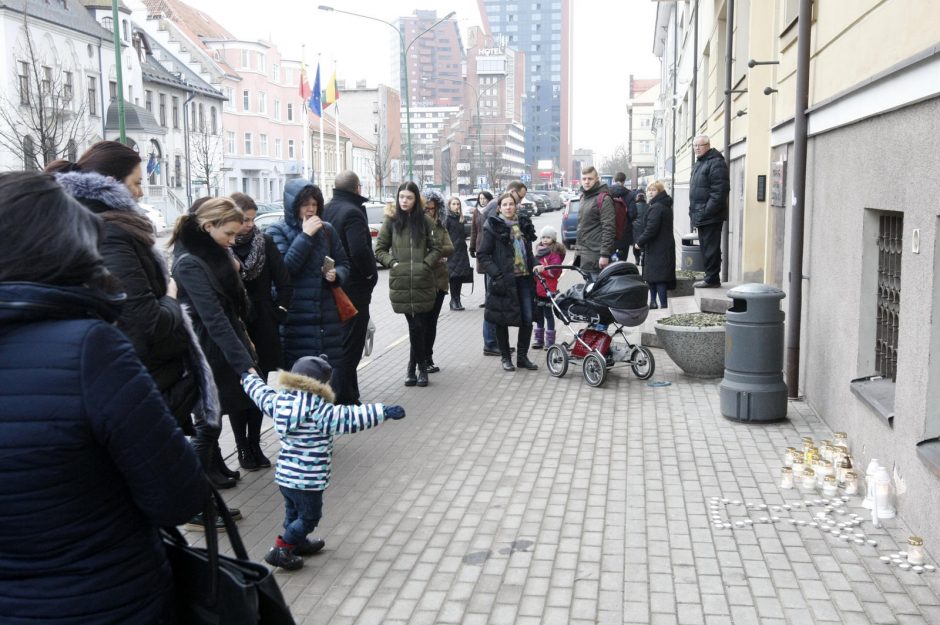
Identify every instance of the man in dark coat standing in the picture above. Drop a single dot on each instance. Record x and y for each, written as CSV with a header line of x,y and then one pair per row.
x,y
708,206
346,213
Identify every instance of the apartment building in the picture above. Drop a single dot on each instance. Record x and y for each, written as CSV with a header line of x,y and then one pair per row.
x,y
868,274
644,95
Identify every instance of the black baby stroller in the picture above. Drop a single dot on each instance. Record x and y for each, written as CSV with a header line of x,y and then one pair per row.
x,y
618,300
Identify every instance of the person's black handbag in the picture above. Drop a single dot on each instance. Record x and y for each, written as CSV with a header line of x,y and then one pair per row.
x,y
221,590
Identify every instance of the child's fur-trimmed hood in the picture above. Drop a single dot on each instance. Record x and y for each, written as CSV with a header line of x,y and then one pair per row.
x,y
297,382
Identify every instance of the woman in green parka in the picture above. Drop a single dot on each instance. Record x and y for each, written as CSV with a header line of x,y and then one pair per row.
x,y
434,209
407,246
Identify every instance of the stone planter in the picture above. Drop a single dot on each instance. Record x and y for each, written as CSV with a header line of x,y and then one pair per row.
x,y
684,282
699,350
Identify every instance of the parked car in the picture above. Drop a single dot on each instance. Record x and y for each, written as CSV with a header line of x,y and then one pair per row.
x,y
155,215
540,203
271,207
569,223
526,207
263,220
469,204
555,201
375,214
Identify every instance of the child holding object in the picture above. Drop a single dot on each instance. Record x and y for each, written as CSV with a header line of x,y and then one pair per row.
x,y
306,421
548,252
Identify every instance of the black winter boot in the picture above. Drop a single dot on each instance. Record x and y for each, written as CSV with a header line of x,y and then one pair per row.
x,y
432,368
254,440
246,459
222,467
410,378
422,374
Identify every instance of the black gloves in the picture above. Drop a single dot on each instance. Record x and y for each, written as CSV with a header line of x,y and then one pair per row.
x,y
394,412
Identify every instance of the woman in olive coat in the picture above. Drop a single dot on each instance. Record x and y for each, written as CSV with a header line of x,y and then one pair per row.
x,y
406,246
505,254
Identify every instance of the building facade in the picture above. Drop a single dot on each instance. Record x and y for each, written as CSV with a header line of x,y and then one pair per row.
x,y
869,272
435,60
541,31
644,95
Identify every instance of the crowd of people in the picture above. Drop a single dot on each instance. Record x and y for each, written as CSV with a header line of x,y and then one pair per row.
x,y
112,358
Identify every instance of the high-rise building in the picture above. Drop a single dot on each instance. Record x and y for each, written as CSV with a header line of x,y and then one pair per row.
x,y
435,60
541,30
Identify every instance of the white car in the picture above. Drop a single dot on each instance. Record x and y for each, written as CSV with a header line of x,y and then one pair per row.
x,y
155,216
375,214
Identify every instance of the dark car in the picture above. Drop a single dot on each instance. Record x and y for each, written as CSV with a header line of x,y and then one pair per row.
x,y
540,202
526,208
569,223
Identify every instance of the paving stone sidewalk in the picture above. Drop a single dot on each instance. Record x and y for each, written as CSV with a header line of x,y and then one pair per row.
x,y
522,498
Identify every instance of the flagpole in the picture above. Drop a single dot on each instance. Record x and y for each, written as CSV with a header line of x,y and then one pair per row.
x,y
306,143
336,116
322,155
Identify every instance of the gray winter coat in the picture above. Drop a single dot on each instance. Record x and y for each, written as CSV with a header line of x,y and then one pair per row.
x,y
596,227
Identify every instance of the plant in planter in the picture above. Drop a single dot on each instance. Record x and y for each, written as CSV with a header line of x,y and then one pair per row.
x,y
695,342
684,281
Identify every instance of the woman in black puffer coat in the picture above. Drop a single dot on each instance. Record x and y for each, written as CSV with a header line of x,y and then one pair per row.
x,y
458,263
269,289
658,243
505,255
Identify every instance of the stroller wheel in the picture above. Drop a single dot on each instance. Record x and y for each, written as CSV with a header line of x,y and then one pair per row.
x,y
556,360
594,369
642,363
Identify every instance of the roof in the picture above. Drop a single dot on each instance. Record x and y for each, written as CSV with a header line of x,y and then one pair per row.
x,y
642,85
190,20
162,67
73,16
136,118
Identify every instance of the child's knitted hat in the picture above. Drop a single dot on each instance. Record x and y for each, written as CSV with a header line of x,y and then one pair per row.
x,y
316,367
550,232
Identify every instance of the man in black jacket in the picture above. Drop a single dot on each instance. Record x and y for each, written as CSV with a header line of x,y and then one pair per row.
x,y
708,206
346,213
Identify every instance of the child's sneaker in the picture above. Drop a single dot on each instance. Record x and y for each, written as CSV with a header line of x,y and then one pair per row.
x,y
283,557
309,547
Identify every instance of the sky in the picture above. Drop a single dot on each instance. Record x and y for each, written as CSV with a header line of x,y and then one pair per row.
x,y
612,39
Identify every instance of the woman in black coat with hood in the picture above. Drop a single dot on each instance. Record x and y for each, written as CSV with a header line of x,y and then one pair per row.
x,y
505,255
658,243
269,289
458,263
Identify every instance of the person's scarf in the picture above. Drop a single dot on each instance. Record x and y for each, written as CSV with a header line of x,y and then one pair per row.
x,y
249,248
519,265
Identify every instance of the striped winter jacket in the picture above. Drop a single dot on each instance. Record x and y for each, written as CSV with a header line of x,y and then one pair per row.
x,y
306,421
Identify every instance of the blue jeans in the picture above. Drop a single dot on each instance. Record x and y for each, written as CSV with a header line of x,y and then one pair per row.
x,y
544,314
302,512
489,330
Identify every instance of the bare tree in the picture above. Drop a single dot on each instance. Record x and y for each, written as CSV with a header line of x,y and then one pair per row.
x,y
383,166
450,159
44,118
619,161
205,156
493,166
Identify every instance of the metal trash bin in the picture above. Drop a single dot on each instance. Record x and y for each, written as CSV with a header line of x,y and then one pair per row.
x,y
753,389
692,253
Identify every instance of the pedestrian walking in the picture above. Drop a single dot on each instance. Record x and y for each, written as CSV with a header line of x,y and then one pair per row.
x,y
307,419
458,263
506,256
548,252
346,213
406,246
315,258
207,278
435,211
106,180
708,206
267,283
658,244
92,461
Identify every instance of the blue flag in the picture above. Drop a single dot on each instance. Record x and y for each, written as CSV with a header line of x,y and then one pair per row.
x,y
315,96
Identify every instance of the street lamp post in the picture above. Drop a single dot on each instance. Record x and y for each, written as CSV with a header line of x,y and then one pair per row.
x,y
404,61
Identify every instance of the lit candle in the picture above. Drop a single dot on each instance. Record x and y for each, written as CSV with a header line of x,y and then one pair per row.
x,y
840,438
884,494
915,550
829,486
797,466
823,470
786,478
788,456
809,480
851,483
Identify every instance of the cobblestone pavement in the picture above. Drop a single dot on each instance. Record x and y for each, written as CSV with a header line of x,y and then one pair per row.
x,y
521,498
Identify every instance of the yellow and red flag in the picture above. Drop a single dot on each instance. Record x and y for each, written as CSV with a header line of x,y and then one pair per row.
x,y
331,94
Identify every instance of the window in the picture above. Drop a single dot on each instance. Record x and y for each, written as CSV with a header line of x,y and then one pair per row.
x,y
107,23
46,81
29,154
277,110
112,90
178,171
247,143
124,34
277,148
176,112
71,150
890,241
163,110
214,120
229,103
262,63
24,85
246,100
230,142
262,102
148,100
245,59
276,71
92,95
264,145
742,18
290,111
202,117
290,149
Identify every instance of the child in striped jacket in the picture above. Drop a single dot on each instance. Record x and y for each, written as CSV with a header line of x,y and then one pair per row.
x,y
306,419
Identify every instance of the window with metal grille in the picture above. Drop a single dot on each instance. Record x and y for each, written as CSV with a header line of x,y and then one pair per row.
x,y
890,244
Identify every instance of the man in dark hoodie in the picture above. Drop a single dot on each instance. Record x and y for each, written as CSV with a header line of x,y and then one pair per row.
x,y
345,211
708,206
619,189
